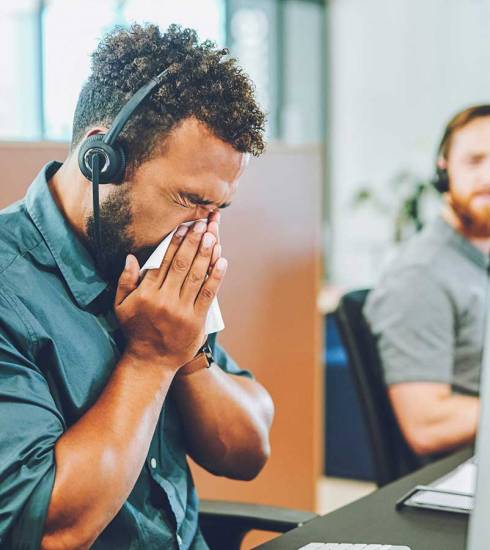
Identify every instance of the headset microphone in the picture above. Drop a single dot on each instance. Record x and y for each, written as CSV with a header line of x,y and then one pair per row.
x,y
101,158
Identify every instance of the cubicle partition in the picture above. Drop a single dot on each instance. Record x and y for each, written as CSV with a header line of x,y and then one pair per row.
x,y
271,237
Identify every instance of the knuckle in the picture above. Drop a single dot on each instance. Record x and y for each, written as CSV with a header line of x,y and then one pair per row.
x,y
163,306
207,293
145,298
180,265
195,277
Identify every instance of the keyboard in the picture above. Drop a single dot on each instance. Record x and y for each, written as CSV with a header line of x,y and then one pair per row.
x,y
347,546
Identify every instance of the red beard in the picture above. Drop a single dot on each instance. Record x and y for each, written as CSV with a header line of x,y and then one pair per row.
x,y
474,218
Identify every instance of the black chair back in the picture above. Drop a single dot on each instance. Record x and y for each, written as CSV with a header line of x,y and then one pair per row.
x,y
392,458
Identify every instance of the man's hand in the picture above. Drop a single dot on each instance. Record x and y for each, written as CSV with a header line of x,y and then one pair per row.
x,y
163,316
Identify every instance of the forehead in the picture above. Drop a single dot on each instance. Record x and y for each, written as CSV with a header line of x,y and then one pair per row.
x,y
193,150
472,138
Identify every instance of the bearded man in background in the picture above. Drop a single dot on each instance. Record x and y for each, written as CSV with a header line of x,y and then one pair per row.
x,y
428,310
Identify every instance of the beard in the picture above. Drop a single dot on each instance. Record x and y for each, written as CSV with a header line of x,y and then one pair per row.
x,y
116,239
474,218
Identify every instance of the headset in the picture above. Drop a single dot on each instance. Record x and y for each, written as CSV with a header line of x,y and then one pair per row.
x,y
441,177
101,158
441,180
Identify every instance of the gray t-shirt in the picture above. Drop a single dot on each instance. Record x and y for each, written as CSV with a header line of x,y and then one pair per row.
x,y
428,310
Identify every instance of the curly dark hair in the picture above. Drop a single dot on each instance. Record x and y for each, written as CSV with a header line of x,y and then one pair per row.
x,y
203,82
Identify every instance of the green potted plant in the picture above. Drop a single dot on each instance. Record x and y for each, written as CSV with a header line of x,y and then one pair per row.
x,y
406,198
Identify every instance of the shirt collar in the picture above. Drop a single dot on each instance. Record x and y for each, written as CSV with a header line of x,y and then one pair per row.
x,y
71,256
462,244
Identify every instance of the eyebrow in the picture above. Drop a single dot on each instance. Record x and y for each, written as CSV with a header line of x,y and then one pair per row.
x,y
194,198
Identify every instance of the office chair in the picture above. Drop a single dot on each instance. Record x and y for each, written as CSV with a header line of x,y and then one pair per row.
x,y
225,524
392,457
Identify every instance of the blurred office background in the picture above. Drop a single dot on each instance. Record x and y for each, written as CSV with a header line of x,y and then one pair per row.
x,y
357,94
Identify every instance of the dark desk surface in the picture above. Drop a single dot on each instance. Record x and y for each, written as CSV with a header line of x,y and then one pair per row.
x,y
373,519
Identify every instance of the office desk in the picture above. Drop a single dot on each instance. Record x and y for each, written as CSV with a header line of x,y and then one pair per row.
x,y
373,519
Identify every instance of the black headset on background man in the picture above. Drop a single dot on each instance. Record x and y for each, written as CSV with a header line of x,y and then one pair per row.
x,y
101,158
441,178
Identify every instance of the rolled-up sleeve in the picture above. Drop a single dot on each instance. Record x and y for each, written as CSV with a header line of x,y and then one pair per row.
x,y
30,425
223,360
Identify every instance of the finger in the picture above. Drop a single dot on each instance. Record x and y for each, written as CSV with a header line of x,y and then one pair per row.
x,y
216,254
128,281
157,276
183,258
199,268
213,223
215,216
213,228
210,288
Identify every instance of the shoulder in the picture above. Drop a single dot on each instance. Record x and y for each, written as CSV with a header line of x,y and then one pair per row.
x,y
425,262
18,234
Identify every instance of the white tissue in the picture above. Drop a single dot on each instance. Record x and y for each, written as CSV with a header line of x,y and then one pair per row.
x,y
214,320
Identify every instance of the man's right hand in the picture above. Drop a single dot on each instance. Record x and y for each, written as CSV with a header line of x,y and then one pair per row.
x,y
163,316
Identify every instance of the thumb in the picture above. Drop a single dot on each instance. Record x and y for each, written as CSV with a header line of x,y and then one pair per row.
x,y
128,280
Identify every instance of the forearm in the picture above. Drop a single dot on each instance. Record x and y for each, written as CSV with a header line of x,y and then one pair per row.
x,y
100,457
453,422
436,423
226,421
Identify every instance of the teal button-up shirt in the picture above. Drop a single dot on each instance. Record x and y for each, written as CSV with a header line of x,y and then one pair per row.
x,y
59,343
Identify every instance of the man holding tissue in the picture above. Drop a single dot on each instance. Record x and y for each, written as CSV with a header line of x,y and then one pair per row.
x,y
105,386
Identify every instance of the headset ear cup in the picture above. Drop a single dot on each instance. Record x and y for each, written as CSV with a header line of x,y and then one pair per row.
x,y
441,181
113,167
121,164
84,156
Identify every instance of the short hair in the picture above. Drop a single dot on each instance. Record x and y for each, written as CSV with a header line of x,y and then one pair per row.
x,y
460,120
203,82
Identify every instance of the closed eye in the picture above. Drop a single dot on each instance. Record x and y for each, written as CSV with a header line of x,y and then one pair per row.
x,y
192,200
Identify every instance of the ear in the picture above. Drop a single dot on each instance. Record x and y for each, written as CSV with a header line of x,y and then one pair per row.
x,y
442,163
95,130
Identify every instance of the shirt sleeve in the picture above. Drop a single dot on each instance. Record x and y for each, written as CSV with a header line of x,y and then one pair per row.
x,y
412,316
30,425
223,360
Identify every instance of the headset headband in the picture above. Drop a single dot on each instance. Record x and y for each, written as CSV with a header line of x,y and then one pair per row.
x,y
128,109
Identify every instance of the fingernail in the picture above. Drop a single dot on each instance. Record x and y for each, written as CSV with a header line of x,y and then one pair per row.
x,y
221,264
128,261
208,240
200,227
181,231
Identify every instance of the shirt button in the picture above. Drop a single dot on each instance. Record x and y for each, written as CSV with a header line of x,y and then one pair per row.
x,y
153,462
179,540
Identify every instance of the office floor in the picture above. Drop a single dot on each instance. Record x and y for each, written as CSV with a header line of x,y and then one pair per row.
x,y
334,492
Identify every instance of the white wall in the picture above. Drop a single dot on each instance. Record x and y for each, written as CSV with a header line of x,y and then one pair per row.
x,y
399,70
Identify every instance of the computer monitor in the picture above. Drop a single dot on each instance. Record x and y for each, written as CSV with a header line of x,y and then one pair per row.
x,y
479,530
